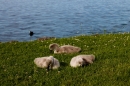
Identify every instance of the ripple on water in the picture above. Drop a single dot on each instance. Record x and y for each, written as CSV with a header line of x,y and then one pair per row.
x,y
56,18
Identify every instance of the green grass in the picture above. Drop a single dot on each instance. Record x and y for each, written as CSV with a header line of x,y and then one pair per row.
x,y
111,67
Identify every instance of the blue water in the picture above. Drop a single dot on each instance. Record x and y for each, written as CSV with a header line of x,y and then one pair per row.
x,y
62,18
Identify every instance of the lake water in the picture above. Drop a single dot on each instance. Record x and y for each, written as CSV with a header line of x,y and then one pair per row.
x,y
62,18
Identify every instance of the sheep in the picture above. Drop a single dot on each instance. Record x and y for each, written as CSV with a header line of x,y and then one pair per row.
x,y
64,49
82,60
47,62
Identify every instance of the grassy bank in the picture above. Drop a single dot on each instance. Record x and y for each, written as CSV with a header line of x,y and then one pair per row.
x,y
111,67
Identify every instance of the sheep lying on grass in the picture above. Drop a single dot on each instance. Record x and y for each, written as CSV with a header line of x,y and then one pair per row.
x,y
82,60
47,62
64,49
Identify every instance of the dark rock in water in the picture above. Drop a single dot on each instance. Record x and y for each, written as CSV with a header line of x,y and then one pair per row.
x,y
45,38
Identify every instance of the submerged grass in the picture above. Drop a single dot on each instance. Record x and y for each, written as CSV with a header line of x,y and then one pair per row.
x,y
111,67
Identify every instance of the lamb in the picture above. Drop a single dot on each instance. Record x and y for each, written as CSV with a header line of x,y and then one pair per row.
x,y
47,62
82,60
64,49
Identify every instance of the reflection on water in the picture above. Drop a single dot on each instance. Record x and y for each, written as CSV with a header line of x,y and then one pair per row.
x,y
61,18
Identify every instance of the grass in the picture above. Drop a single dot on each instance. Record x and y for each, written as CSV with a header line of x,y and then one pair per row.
x,y
111,67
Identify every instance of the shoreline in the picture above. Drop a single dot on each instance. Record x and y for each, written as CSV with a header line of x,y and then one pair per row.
x,y
47,37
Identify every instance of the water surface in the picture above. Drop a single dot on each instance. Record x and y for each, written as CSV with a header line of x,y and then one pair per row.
x,y
61,18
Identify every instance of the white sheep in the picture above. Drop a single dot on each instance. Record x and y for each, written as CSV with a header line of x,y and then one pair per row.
x,y
47,62
64,49
82,60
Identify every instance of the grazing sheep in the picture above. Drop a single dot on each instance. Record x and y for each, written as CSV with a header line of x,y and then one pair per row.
x,y
47,62
64,49
82,60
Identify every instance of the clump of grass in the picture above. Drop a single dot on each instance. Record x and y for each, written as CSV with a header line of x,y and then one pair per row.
x,y
111,67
